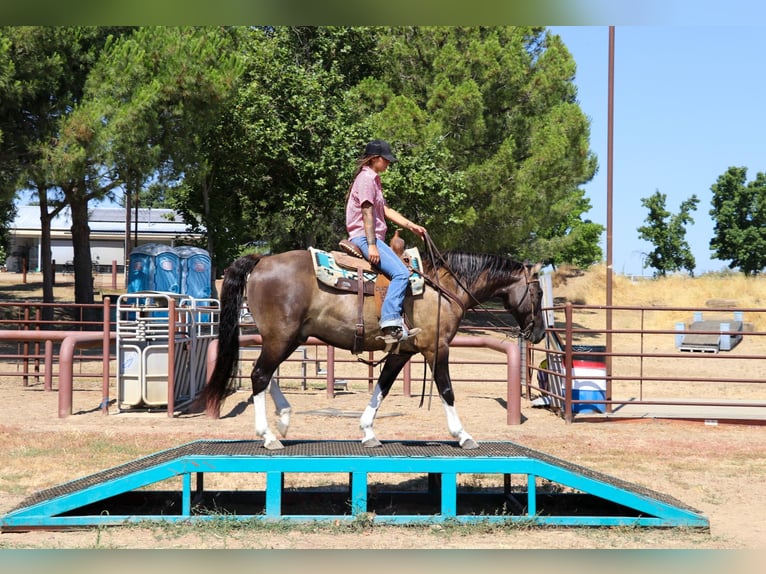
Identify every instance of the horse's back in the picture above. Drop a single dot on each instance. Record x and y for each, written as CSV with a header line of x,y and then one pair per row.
x,y
282,272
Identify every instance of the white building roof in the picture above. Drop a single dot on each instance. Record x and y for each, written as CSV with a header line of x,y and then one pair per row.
x,y
103,220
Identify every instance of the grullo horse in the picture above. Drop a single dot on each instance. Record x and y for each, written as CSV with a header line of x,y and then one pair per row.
x,y
289,305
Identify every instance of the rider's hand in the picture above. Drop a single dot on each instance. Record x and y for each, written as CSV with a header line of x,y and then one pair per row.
x,y
419,229
373,255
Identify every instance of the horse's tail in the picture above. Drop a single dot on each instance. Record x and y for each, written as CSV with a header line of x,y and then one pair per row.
x,y
234,281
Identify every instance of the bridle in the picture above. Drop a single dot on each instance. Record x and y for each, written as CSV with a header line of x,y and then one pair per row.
x,y
526,332
434,255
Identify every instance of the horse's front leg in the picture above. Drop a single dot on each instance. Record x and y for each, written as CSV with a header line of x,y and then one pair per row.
x,y
391,369
447,395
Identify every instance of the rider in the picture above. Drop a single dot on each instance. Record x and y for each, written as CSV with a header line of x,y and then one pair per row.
x,y
366,214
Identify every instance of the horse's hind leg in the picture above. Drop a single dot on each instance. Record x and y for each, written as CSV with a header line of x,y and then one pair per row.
x,y
391,369
261,378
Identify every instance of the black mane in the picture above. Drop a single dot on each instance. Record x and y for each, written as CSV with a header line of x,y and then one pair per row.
x,y
469,267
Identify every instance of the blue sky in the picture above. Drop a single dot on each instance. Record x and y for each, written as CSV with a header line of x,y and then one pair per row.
x,y
688,104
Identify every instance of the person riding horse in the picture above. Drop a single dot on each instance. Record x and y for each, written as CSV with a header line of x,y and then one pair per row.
x,y
366,215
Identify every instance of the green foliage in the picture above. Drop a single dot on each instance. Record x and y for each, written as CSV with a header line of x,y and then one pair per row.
x,y
499,105
252,133
739,212
7,213
667,232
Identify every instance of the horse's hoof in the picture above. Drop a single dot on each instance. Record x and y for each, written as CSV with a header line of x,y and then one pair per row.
x,y
273,445
469,444
282,428
372,443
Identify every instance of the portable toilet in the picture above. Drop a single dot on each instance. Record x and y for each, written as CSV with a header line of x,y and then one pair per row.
x,y
196,270
167,269
154,267
141,261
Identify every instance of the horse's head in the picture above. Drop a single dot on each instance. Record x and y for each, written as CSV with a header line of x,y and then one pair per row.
x,y
524,300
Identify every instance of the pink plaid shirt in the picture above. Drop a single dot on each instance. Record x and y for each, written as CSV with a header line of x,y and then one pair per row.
x,y
366,188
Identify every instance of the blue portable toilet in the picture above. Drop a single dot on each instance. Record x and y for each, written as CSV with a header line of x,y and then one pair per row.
x,y
140,271
196,270
167,269
154,267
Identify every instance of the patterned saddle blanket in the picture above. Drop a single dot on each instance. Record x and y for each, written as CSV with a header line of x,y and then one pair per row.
x,y
330,272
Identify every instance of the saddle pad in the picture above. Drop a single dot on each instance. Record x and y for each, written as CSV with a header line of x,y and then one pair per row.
x,y
329,272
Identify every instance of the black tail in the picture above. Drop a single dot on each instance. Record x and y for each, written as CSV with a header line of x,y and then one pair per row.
x,y
234,280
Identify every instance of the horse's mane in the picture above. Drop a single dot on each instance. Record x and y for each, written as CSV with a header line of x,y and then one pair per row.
x,y
469,267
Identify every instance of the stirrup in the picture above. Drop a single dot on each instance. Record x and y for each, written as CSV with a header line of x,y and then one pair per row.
x,y
396,334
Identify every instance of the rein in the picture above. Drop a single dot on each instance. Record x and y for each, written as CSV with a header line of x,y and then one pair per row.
x,y
449,294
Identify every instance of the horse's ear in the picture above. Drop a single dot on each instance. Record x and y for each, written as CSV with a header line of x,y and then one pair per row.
x,y
535,269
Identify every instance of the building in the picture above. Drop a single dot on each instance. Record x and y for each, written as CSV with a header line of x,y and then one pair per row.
x,y
107,235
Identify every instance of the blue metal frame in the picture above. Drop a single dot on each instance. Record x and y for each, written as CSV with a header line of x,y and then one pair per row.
x,y
653,512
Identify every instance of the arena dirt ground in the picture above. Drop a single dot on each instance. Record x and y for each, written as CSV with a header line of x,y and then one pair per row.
x,y
716,469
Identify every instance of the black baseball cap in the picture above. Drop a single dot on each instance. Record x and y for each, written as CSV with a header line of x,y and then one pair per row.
x,y
381,148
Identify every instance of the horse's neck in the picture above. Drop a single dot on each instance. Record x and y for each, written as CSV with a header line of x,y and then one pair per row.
x,y
478,290
456,288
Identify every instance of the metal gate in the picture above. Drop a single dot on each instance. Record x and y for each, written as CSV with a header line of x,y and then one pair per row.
x,y
162,341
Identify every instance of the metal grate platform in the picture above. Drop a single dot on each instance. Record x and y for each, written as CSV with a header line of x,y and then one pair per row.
x,y
117,495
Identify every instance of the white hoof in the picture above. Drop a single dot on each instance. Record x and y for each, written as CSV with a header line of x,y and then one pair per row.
x,y
468,444
371,443
273,444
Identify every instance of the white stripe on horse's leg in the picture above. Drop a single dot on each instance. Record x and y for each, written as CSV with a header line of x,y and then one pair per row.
x,y
368,419
456,427
262,424
283,409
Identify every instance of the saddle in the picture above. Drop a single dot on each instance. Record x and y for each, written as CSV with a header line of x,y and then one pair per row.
x,y
349,271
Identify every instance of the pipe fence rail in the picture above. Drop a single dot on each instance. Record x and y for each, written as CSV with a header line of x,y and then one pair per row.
x,y
662,362
665,362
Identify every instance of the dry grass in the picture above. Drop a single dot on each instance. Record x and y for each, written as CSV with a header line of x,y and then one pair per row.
x,y
710,291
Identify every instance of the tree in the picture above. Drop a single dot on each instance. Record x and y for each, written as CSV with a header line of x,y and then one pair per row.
x,y
500,106
739,212
158,94
281,154
667,232
9,162
48,73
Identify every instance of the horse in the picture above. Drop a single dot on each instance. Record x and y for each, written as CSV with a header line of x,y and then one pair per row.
x,y
289,305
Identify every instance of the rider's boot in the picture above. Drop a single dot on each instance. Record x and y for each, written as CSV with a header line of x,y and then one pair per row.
x,y
398,333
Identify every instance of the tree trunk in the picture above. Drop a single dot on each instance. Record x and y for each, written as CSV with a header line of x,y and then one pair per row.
x,y
46,264
210,234
83,268
128,245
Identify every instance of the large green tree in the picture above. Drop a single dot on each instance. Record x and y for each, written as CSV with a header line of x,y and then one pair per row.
x,y
667,232
500,106
8,161
281,153
49,68
158,94
739,211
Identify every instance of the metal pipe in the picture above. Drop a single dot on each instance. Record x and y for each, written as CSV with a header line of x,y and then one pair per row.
x,y
105,347
66,362
171,355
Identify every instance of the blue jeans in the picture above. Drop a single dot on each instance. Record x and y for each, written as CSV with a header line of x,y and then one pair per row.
x,y
394,269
